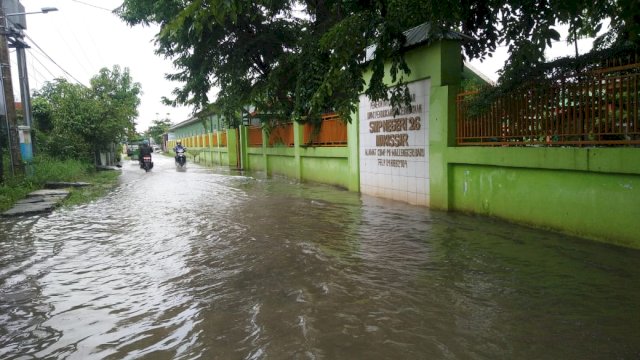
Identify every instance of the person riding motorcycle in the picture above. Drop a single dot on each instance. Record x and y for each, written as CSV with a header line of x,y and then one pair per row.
x,y
145,149
178,148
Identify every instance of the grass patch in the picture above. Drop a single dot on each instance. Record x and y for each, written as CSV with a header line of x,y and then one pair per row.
x,y
101,183
46,169
12,191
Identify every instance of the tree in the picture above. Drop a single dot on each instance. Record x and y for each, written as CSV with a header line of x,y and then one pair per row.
x,y
76,121
157,128
68,111
300,58
119,97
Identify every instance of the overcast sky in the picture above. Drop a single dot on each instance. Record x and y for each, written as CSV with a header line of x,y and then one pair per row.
x,y
84,36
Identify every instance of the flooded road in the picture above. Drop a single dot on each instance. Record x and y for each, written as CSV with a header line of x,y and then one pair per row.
x,y
211,264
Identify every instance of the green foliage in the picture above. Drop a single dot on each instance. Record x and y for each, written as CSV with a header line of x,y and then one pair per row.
x,y
194,153
49,169
471,84
550,73
101,183
12,188
297,59
46,169
73,121
157,128
118,97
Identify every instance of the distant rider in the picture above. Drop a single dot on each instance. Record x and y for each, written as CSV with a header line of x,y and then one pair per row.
x,y
145,149
179,147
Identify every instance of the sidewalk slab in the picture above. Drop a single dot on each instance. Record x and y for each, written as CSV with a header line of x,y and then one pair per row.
x,y
64,184
39,201
49,192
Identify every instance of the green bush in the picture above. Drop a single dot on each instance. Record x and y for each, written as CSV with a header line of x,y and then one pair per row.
x,y
45,169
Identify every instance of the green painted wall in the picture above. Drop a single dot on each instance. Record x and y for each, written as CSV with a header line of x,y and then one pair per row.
x,y
593,193
197,126
353,161
217,156
232,147
214,156
256,161
321,164
191,129
327,170
283,165
441,62
594,205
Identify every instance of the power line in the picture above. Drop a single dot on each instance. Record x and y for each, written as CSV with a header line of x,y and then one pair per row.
x,y
35,73
71,50
53,61
95,6
43,65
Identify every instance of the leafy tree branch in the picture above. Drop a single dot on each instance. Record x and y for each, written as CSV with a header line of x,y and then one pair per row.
x,y
298,59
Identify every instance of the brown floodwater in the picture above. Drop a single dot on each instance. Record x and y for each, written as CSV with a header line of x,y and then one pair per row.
x,y
215,264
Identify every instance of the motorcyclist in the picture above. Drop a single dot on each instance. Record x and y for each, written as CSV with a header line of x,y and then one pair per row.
x,y
177,148
145,149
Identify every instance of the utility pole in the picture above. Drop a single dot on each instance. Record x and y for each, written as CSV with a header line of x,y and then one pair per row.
x,y
24,81
9,102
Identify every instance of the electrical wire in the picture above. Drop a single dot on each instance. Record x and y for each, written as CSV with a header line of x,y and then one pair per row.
x,y
71,51
33,53
35,74
95,6
53,61
69,47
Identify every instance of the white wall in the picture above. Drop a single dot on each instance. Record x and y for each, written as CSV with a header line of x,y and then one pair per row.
x,y
394,150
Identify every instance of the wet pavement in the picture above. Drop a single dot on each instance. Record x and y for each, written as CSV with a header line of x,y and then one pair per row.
x,y
215,264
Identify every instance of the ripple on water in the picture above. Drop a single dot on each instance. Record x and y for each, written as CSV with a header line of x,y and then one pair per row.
x,y
200,264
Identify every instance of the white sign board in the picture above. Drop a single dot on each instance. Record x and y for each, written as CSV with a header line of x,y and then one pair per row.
x,y
394,150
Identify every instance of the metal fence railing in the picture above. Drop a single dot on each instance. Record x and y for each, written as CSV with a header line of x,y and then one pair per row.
x,y
599,107
281,134
255,136
332,132
223,138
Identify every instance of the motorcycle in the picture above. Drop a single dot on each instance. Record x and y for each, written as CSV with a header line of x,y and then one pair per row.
x,y
146,164
181,158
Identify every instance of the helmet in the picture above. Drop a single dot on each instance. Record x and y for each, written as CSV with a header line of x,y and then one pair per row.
x,y
146,142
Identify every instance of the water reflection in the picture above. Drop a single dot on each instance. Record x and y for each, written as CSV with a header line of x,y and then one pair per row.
x,y
214,264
